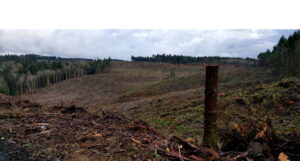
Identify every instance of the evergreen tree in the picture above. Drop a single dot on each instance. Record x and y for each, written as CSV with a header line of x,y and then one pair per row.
x,y
25,73
4,88
285,56
180,59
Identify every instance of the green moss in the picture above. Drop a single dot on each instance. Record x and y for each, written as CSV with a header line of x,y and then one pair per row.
x,y
213,140
180,120
157,156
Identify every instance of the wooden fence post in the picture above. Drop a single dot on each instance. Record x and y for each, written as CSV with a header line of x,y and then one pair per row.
x,y
211,138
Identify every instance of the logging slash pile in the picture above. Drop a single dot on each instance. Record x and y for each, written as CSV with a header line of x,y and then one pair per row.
x,y
30,131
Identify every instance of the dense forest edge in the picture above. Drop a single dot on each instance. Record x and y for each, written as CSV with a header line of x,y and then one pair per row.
x,y
181,59
25,73
284,57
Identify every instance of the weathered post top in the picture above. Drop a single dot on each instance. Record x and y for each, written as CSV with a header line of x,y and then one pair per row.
x,y
210,138
211,80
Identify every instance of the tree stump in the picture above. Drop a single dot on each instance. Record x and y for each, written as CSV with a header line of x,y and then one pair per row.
x,y
211,138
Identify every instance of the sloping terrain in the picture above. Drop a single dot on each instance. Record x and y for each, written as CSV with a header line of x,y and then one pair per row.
x,y
255,111
146,91
128,82
246,117
70,133
276,104
31,132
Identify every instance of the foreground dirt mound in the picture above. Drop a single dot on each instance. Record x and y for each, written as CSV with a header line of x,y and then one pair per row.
x,y
8,102
78,135
72,134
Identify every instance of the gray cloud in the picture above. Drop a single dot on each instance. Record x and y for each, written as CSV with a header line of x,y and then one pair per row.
x,y
121,44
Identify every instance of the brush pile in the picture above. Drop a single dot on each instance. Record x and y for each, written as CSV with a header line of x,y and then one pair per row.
x,y
31,132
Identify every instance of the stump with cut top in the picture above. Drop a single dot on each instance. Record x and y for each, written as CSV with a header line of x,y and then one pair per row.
x,y
211,138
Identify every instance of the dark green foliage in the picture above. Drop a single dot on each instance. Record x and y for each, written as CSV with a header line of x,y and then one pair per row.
x,y
285,56
25,73
12,84
98,66
180,59
4,86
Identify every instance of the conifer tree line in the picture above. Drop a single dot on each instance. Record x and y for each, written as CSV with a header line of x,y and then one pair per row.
x,y
180,59
284,57
25,73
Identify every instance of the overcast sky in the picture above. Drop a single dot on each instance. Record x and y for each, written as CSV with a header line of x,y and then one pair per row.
x,y
121,44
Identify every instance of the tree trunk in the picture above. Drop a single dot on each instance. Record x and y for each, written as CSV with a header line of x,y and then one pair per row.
x,y
211,138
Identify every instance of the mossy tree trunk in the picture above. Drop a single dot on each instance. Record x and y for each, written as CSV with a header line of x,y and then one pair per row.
x,y
211,138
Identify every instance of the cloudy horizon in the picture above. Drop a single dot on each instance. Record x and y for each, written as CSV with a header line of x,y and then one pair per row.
x,y
121,44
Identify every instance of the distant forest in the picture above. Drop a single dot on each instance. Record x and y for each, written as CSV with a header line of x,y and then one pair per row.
x,y
285,56
180,59
25,73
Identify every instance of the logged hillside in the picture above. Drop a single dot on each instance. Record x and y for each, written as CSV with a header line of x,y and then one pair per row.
x,y
31,132
128,83
260,114
34,132
165,95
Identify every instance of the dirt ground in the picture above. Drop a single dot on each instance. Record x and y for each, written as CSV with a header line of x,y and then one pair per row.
x,y
70,133
33,132
128,83
76,118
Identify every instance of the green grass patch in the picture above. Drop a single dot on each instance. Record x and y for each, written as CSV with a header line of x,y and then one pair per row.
x,y
183,119
278,102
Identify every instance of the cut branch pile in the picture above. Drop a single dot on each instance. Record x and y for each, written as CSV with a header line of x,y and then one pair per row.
x,y
71,133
